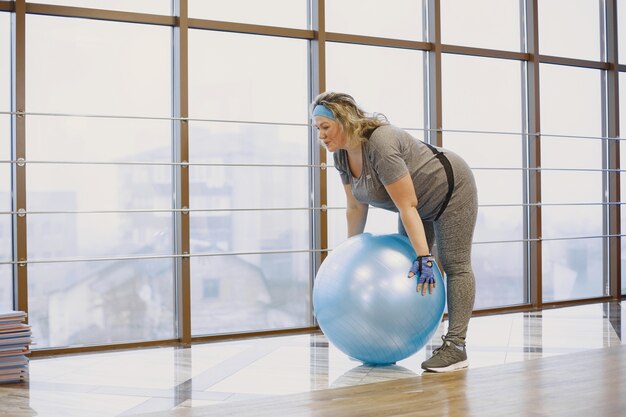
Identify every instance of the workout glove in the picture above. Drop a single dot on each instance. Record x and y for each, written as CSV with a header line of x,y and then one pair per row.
x,y
423,268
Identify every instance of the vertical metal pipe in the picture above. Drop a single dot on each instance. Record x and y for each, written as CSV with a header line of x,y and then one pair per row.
x,y
181,172
18,128
317,76
434,120
612,150
319,219
533,157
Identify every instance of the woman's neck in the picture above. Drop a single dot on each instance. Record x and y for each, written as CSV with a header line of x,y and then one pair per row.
x,y
355,160
354,149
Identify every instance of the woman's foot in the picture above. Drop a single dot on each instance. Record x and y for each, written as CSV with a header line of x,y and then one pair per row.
x,y
446,358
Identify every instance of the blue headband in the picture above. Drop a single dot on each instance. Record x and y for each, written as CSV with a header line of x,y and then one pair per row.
x,y
321,110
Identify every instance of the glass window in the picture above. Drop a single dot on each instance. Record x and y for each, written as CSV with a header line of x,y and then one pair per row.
x,y
89,160
400,19
6,287
139,6
238,180
5,62
127,71
90,303
577,114
622,150
493,24
571,266
574,34
265,81
336,197
283,13
91,164
484,94
249,292
487,264
6,230
6,284
621,31
392,84
481,94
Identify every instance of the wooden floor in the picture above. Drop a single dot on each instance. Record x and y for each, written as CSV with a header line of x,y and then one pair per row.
x,y
566,361
590,384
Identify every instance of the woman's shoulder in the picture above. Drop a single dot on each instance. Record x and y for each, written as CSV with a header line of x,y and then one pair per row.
x,y
385,134
340,158
386,129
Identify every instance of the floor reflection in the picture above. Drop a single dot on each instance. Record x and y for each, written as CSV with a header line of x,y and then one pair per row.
x,y
147,380
372,374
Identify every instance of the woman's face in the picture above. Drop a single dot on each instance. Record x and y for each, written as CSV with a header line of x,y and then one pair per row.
x,y
330,133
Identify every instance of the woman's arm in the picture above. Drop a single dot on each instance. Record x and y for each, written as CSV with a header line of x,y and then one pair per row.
x,y
402,192
356,213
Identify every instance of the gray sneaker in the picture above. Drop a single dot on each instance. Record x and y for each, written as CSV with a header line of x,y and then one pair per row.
x,y
448,357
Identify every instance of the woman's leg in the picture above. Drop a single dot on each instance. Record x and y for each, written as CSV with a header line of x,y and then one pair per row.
x,y
454,231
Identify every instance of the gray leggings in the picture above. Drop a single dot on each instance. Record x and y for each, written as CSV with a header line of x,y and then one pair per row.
x,y
453,233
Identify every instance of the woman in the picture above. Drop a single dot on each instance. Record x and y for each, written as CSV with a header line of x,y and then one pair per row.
x,y
432,189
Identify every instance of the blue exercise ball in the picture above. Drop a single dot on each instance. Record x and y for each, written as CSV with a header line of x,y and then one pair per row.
x,y
367,307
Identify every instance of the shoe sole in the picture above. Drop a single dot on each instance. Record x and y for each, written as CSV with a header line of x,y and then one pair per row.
x,y
454,367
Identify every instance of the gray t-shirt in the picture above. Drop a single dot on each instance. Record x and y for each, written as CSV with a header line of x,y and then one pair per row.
x,y
388,155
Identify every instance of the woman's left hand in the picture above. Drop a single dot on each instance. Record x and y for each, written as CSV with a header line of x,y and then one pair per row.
x,y
423,268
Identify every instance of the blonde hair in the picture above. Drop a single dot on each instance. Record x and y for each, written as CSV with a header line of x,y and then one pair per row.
x,y
358,125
